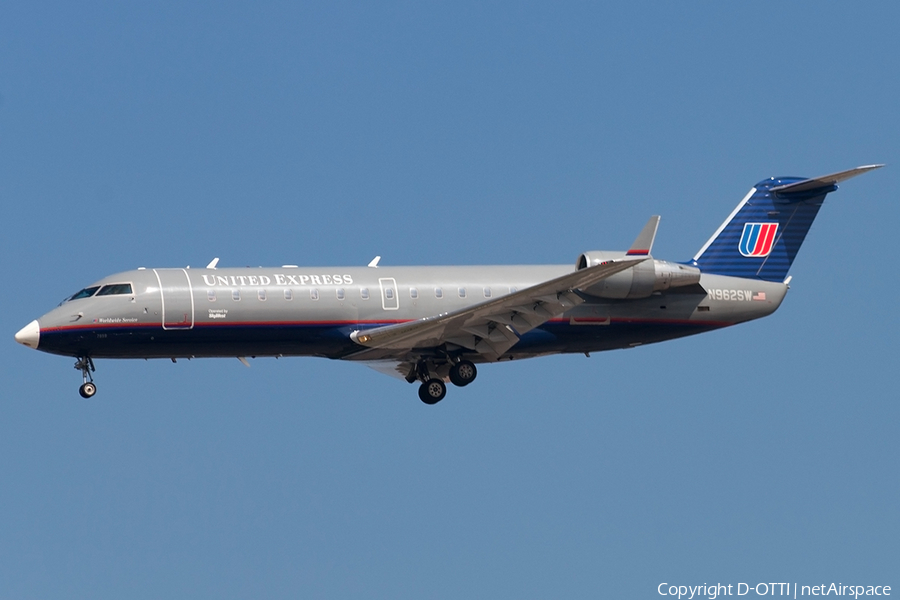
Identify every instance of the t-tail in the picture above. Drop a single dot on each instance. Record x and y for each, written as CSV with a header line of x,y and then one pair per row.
x,y
762,236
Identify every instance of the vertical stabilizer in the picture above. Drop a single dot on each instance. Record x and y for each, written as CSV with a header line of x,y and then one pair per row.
x,y
762,236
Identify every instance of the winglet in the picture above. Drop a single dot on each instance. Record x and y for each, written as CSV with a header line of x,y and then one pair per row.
x,y
644,242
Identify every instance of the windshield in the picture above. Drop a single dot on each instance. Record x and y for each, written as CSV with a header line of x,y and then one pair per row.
x,y
115,289
85,293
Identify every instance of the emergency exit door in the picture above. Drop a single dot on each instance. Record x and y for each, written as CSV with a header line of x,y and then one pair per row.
x,y
390,299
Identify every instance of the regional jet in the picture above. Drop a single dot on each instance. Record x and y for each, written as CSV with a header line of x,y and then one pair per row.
x,y
433,325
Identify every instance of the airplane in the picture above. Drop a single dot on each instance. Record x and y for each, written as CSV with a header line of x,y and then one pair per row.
x,y
433,325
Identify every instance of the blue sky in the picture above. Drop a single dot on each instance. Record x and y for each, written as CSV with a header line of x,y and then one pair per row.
x,y
447,133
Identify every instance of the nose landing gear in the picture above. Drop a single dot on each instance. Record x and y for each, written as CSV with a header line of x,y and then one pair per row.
x,y
86,366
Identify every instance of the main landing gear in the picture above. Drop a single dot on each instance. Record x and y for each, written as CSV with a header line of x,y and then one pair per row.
x,y
433,389
463,373
86,366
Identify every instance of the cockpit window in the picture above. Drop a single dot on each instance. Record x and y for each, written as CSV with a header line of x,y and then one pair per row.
x,y
85,293
115,289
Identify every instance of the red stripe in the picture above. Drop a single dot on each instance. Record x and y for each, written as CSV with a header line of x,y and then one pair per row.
x,y
771,237
217,323
340,323
660,321
760,240
764,241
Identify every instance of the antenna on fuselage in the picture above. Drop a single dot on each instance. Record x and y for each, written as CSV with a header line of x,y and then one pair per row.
x,y
374,263
212,264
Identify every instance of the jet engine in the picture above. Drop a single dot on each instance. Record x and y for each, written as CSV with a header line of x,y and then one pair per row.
x,y
641,280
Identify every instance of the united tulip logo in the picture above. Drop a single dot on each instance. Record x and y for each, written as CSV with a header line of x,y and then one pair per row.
x,y
758,239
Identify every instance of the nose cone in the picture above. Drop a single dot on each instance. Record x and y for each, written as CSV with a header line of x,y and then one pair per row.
x,y
29,335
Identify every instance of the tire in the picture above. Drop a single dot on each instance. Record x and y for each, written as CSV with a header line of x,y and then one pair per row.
x,y
432,391
87,390
463,373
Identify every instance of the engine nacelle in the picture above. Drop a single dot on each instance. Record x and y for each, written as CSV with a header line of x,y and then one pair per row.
x,y
641,280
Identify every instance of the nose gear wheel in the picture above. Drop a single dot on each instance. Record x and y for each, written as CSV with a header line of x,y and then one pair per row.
x,y
86,365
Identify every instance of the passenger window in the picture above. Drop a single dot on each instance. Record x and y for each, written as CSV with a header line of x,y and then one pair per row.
x,y
413,293
438,293
115,289
261,294
364,293
85,293
462,292
389,293
236,295
211,295
487,292
339,293
313,294
288,294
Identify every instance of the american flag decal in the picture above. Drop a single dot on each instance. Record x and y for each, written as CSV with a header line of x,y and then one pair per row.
x,y
757,239
759,296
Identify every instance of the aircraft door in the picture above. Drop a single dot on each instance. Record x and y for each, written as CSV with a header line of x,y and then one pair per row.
x,y
390,296
177,298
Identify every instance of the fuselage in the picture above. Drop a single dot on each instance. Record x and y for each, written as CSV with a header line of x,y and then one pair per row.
x,y
294,311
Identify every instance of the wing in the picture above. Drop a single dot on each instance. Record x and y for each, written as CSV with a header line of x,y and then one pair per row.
x,y
492,327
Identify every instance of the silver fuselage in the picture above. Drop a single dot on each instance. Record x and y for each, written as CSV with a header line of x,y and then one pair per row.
x,y
306,311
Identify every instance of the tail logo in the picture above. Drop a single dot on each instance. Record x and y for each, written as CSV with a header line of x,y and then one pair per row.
x,y
758,239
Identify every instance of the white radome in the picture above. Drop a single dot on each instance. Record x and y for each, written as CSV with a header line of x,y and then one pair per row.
x,y
29,335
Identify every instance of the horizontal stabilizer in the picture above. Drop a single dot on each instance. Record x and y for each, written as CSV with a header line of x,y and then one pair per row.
x,y
816,183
